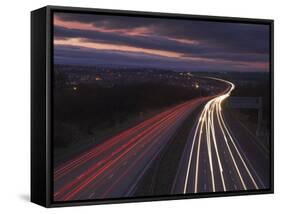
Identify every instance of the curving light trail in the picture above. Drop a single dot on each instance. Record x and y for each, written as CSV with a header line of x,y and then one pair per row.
x,y
114,167
206,135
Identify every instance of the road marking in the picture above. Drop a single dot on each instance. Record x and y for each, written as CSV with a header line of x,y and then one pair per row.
x,y
92,194
110,176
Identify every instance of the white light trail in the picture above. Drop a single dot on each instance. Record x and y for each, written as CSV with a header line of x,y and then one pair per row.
x,y
206,119
216,147
198,151
230,152
236,149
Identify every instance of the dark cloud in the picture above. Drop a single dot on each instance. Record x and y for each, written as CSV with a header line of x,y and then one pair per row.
x,y
109,56
233,42
235,36
158,43
64,54
108,22
151,42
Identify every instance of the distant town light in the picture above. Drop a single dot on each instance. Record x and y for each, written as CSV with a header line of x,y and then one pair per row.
x,y
98,77
75,88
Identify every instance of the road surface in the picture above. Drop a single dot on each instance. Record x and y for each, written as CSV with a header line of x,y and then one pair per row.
x,y
114,168
214,160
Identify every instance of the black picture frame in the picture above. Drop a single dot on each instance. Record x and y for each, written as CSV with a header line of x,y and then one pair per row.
x,y
41,104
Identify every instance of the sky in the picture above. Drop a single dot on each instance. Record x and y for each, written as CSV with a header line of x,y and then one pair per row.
x,y
190,45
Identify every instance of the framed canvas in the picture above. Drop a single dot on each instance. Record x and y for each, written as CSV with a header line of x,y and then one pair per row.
x,y
139,106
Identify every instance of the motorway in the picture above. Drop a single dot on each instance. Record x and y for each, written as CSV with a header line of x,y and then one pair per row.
x,y
114,168
214,160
